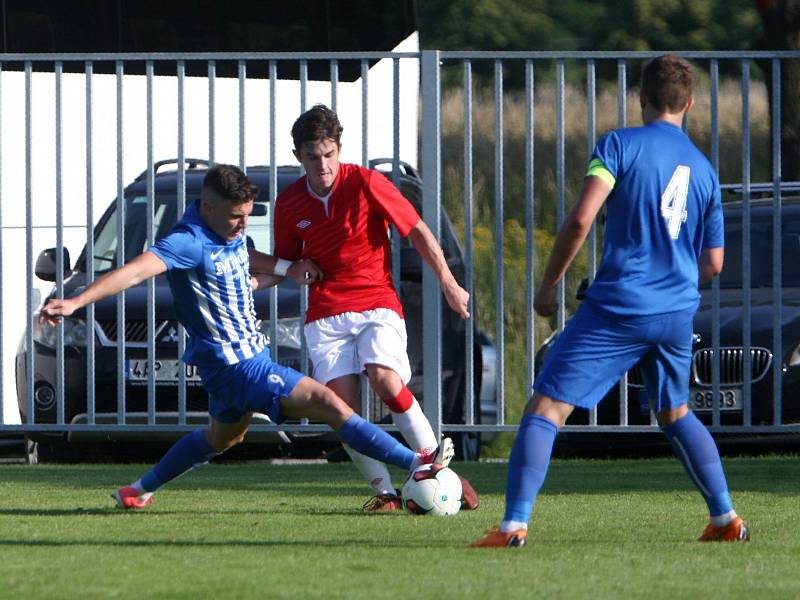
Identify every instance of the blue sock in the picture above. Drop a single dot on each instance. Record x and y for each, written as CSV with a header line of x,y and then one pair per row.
x,y
373,441
189,451
698,453
527,466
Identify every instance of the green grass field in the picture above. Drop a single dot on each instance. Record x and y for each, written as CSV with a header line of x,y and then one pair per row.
x,y
602,529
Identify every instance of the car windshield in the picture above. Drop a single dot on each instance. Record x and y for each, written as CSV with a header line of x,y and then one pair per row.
x,y
760,252
107,241
164,216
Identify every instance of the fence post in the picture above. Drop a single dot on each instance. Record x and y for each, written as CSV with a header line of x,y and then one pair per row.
x,y
431,296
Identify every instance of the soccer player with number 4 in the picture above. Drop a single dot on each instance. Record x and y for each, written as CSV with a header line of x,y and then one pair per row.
x,y
663,235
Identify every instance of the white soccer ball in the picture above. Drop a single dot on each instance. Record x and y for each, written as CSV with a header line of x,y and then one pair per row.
x,y
432,490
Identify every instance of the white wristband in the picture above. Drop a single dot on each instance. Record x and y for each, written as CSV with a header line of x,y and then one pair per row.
x,y
281,267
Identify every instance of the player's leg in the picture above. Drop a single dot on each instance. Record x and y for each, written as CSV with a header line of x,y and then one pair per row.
x,y
348,387
407,413
405,410
666,374
192,450
381,342
310,399
588,358
697,452
527,467
332,349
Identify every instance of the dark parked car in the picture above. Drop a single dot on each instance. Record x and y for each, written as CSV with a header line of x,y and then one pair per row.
x,y
168,366
764,357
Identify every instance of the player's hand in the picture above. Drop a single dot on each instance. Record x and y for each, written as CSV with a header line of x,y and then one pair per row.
x,y
304,272
55,309
545,301
458,298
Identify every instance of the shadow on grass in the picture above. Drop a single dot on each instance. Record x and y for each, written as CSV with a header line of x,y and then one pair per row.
x,y
771,474
118,513
313,543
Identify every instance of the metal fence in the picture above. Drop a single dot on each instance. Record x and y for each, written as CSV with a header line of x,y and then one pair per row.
x,y
497,138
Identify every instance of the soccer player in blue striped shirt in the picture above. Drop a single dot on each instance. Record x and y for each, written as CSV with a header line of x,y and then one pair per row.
x,y
207,264
663,234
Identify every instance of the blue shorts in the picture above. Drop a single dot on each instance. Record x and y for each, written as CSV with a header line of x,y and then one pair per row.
x,y
253,385
597,348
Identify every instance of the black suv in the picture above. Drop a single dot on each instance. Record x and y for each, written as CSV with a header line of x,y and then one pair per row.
x,y
42,445
764,356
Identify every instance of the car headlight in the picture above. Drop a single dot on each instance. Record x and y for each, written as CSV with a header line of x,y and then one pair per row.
x,y
793,360
290,332
47,335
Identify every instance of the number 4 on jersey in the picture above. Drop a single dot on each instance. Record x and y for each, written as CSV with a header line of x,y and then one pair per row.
x,y
673,200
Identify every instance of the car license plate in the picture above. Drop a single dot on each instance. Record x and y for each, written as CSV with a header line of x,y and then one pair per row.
x,y
166,372
703,399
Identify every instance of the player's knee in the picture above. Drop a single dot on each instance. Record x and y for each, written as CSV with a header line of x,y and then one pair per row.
x,y
670,415
221,442
554,410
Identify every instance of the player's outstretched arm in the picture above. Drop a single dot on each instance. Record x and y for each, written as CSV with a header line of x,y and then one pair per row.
x,y
569,240
139,269
431,252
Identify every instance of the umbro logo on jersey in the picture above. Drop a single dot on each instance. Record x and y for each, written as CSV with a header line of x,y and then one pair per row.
x,y
303,224
273,378
214,255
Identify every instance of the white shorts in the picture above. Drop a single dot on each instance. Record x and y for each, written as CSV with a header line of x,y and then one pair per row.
x,y
344,344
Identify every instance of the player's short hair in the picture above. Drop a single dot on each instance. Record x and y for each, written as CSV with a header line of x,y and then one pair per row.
x,y
667,83
228,183
316,124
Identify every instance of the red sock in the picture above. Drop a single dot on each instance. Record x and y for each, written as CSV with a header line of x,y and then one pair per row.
x,y
400,403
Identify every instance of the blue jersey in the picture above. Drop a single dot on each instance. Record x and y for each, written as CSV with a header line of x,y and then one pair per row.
x,y
210,282
663,210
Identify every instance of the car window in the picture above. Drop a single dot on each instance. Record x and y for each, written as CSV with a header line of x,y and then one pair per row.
x,y
761,253
258,229
107,242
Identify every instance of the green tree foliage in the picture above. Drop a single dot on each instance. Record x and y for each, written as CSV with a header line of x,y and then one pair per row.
x,y
495,25
586,25
531,25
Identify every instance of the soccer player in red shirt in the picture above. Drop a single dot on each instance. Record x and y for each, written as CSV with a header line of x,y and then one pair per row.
x,y
338,216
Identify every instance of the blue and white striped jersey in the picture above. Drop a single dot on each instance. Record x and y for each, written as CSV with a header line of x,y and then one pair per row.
x,y
210,282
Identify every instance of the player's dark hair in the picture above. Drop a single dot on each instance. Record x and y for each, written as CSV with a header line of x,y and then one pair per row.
x,y
316,124
667,83
228,183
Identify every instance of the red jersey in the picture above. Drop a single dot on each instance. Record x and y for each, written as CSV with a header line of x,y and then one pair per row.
x,y
350,244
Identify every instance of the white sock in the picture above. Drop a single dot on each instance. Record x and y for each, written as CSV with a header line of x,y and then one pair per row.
x,y
508,526
375,472
721,520
414,426
144,494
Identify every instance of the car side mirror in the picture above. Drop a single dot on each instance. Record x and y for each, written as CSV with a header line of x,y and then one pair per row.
x,y
46,264
259,209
